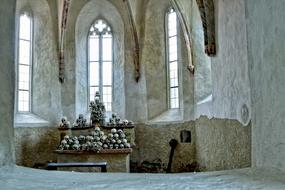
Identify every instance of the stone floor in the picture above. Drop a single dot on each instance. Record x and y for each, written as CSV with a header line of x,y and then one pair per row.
x,y
18,178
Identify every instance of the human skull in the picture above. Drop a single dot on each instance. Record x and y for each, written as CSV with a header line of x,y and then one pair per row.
x,y
97,129
113,130
122,146
76,142
120,131
66,147
97,138
80,116
108,141
110,135
81,138
75,147
116,135
123,135
114,115
64,119
125,122
84,146
104,137
117,120
64,142
89,138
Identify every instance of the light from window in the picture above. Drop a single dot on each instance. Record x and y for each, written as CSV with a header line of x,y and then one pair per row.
x,y
172,59
100,62
24,64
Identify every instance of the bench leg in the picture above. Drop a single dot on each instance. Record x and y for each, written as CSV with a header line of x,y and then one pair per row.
x,y
104,169
51,168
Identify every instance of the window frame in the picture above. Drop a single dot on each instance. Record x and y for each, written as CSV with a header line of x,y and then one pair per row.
x,y
30,15
166,29
100,61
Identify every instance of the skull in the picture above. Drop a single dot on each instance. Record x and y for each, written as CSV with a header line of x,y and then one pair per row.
x,y
125,122
120,131
97,129
114,115
80,116
64,119
63,142
113,130
116,135
110,135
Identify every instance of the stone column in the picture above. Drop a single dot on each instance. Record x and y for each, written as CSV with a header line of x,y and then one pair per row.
x,y
7,79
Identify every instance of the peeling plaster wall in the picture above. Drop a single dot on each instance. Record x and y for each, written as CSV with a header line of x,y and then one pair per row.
x,y
266,30
35,146
7,87
152,145
222,144
230,80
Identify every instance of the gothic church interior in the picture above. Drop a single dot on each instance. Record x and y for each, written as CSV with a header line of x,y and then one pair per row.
x,y
190,93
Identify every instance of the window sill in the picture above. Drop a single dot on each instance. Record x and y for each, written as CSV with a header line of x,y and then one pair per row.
x,y
167,117
29,120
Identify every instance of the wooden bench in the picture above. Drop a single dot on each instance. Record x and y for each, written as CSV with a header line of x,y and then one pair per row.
x,y
102,165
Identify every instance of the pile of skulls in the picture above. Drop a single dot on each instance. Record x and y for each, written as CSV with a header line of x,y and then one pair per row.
x,y
80,122
64,123
116,139
97,110
115,120
96,141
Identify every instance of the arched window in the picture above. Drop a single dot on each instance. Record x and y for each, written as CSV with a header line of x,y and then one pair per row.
x,y
172,58
24,65
101,62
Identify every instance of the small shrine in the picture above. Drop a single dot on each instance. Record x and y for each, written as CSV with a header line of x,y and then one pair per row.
x,y
96,140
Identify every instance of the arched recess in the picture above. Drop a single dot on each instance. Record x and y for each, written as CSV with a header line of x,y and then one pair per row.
x,y
45,97
203,71
154,58
93,10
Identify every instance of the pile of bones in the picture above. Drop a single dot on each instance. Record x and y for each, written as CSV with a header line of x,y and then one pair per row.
x,y
96,141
